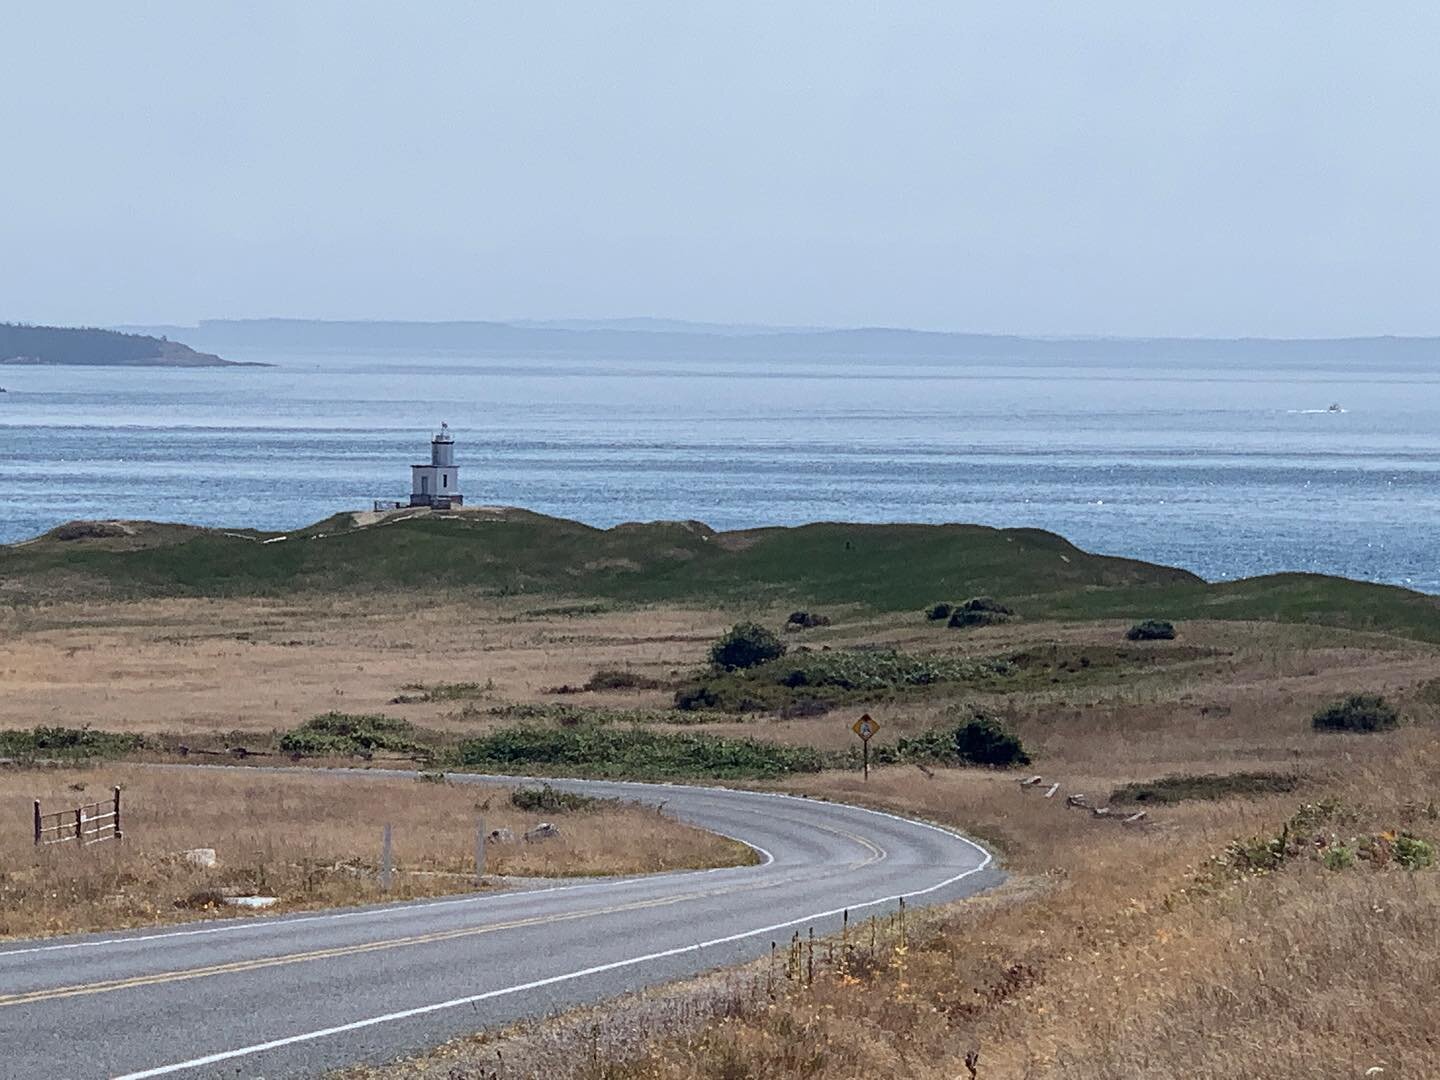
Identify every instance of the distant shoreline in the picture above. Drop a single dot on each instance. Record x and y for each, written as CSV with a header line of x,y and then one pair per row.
x,y
67,346
669,339
200,360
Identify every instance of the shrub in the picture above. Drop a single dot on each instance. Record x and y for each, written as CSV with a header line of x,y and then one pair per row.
x,y
806,620
547,800
939,611
980,740
459,691
834,676
1151,630
66,742
1358,712
1256,854
746,645
979,611
960,619
936,744
1413,853
634,753
1339,857
88,530
618,679
577,715
335,734
696,698
984,740
882,669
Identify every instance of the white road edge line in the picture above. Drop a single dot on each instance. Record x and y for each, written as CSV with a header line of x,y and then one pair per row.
x,y
453,1003
429,905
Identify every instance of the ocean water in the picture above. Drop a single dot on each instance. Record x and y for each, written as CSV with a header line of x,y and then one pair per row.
x,y
1229,470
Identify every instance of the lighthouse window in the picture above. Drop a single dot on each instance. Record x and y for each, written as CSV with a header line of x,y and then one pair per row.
x,y
444,479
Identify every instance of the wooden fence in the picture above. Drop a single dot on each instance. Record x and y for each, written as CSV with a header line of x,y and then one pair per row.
x,y
92,823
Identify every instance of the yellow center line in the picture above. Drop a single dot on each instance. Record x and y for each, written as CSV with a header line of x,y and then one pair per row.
x,y
83,989
239,966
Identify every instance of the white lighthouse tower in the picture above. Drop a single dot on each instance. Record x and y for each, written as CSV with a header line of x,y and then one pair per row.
x,y
438,483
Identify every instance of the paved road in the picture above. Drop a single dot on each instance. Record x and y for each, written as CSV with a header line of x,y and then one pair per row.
x,y
293,996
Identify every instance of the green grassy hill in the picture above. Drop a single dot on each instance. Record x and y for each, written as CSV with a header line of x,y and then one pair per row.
x,y
516,552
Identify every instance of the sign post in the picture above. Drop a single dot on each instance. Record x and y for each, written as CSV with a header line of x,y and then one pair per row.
x,y
865,727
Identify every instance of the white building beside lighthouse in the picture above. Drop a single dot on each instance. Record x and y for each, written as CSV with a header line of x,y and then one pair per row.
x,y
438,483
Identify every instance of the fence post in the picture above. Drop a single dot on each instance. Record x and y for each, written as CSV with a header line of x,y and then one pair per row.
x,y
80,825
479,851
387,864
37,823
117,813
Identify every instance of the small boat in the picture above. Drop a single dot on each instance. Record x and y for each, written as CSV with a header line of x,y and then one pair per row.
x,y
1335,407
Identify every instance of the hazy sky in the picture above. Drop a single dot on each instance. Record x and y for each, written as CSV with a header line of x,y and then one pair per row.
x,y
1252,168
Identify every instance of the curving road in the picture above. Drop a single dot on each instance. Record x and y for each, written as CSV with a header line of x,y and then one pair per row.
x,y
294,996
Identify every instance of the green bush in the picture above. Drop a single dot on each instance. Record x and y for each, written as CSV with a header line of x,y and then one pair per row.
x,y
620,679
806,620
881,669
984,740
302,743
66,742
1257,854
979,611
1413,853
746,645
547,800
696,698
834,677
1151,630
87,530
1358,712
939,611
1339,857
936,744
335,734
980,740
633,753
575,715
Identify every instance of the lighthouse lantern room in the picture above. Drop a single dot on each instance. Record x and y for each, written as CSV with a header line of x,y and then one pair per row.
x,y
438,483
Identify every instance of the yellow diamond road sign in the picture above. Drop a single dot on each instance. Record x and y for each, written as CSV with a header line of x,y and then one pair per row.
x,y
865,727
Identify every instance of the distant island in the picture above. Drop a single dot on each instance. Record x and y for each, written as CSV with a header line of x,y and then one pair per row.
x,y
24,344
667,339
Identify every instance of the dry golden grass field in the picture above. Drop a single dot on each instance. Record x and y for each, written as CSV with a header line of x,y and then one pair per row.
x,y
310,839
1221,936
197,666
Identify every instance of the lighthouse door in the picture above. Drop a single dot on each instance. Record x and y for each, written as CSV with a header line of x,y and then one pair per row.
x,y
424,485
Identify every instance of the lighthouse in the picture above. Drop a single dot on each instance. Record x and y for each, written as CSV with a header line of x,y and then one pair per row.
x,y
438,483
